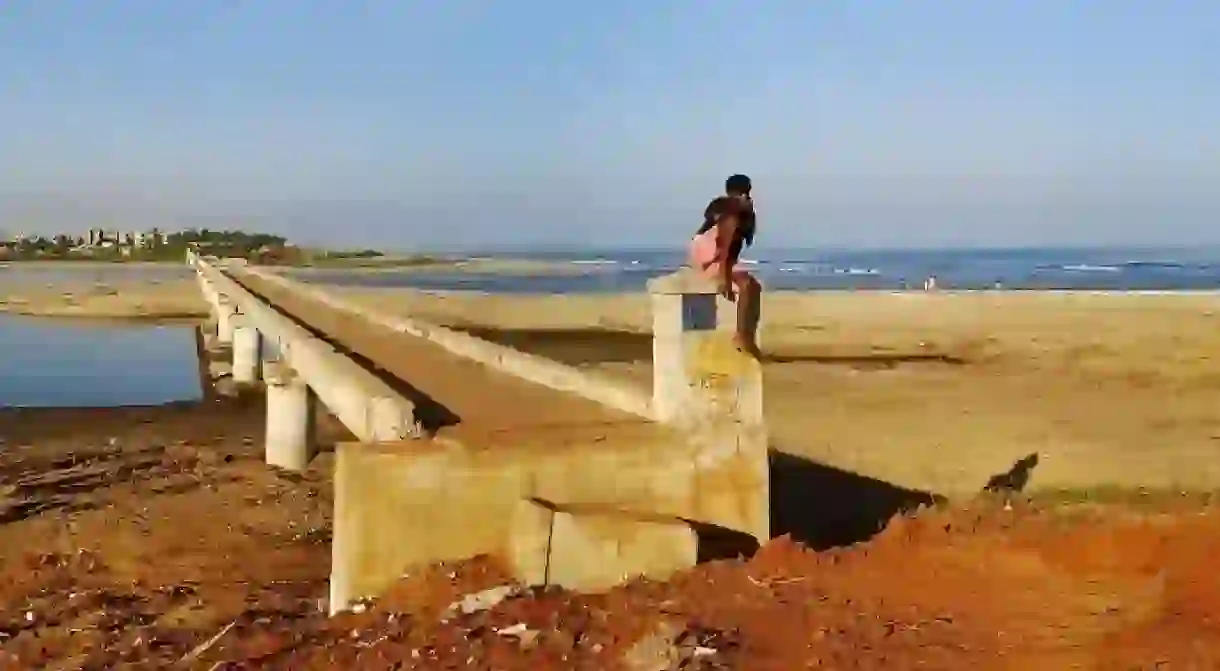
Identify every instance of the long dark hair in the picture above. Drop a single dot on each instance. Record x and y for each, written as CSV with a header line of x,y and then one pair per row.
x,y
730,205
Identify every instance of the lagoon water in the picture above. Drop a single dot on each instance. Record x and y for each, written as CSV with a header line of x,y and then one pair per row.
x,y
46,363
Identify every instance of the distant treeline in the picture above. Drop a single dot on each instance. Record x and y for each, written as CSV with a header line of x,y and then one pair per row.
x,y
222,243
155,247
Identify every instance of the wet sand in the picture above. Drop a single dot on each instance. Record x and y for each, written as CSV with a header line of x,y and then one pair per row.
x,y
160,301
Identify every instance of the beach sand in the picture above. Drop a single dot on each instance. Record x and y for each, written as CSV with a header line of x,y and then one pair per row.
x,y
933,392
936,392
163,301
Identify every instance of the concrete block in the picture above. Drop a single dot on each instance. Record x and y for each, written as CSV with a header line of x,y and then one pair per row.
x,y
594,552
291,419
247,351
225,312
705,386
400,506
536,369
528,550
593,548
732,481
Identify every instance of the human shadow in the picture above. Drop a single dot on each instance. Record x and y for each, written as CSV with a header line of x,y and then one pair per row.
x,y
825,507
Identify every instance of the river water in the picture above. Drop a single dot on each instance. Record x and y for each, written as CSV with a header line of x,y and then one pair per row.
x,y
46,362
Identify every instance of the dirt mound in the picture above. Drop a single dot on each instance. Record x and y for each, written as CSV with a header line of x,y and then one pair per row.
x,y
130,552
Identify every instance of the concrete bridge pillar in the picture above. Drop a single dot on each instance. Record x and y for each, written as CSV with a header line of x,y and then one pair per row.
x,y
714,393
226,313
291,410
692,348
247,350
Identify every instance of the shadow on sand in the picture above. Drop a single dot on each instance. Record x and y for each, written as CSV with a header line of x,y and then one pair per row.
x,y
581,346
825,507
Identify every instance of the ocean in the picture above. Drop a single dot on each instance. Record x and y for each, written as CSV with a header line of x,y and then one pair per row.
x,y
1114,269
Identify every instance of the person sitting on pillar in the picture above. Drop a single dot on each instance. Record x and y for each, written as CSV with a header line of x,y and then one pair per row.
x,y
728,226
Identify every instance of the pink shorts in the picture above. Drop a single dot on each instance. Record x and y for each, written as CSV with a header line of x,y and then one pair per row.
x,y
704,255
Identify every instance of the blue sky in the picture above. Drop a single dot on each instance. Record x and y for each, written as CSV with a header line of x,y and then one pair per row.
x,y
465,123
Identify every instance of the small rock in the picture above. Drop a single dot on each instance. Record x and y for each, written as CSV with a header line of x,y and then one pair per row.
x,y
522,632
655,651
480,601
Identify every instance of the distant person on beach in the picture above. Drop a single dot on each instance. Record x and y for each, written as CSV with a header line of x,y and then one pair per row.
x,y
728,227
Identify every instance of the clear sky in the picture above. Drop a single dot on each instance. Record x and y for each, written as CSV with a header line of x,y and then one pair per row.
x,y
611,122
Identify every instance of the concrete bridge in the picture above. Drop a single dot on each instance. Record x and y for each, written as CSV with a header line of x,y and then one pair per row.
x,y
466,447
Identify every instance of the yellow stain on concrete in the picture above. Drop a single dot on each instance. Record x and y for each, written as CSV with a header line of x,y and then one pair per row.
x,y
713,356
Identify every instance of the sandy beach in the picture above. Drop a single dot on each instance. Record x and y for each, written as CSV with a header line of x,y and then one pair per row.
x,y
935,392
132,299
130,537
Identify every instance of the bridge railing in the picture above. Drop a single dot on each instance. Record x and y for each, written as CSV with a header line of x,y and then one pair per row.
x,y
363,402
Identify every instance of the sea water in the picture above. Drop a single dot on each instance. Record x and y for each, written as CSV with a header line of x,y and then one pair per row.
x,y
1113,269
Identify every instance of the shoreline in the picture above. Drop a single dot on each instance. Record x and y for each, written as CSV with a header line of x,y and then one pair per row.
x,y
172,305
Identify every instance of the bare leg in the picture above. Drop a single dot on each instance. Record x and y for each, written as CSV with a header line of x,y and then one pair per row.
x,y
748,296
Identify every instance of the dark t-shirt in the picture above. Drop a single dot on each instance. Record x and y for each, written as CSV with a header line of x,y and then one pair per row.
x,y
723,206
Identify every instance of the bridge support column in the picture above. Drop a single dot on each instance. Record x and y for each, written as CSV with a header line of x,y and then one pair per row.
x,y
703,385
291,408
247,351
226,313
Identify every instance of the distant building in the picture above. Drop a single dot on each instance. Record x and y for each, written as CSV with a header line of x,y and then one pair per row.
x,y
99,237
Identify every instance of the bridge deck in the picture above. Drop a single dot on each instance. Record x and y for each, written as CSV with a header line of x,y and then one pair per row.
x,y
462,399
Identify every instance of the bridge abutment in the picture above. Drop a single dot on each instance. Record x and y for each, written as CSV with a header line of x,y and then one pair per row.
x,y
708,389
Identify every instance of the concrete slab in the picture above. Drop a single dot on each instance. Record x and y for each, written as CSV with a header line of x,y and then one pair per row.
x,y
404,505
594,548
459,398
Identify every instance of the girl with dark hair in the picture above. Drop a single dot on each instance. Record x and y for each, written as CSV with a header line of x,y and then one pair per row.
x,y
728,226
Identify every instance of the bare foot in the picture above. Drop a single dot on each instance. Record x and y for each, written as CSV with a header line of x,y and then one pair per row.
x,y
747,346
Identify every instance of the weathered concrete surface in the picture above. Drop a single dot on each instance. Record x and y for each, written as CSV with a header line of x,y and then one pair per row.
x,y
697,373
247,345
398,506
291,418
531,368
704,386
461,399
593,548
226,310
367,406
